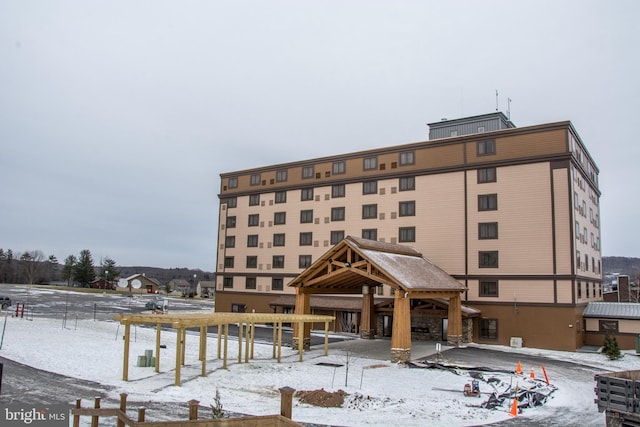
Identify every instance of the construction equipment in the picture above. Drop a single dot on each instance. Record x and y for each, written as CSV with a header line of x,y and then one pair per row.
x,y
472,389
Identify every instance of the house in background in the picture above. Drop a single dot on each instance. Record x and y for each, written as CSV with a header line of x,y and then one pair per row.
x,y
206,289
139,283
183,287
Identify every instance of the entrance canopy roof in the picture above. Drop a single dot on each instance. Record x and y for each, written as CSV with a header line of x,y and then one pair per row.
x,y
355,262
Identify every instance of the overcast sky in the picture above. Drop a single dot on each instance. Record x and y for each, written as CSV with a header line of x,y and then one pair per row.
x,y
117,117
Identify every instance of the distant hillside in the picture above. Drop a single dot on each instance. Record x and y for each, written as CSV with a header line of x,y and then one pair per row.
x,y
164,275
618,265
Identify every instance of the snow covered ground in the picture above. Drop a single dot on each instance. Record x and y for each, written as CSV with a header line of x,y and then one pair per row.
x,y
382,393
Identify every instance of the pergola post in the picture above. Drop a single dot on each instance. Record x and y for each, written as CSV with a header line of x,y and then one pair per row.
x,y
125,361
303,306
158,329
454,328
367,326
401,335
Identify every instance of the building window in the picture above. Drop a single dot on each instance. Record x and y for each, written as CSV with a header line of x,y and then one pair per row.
x,y
306,216
407,234
608,326
407,158
252,241
254,220
578,260
230,241
486,175
489,288
304,261
277,261
488,230
281,175
337,214
238,308
579,290
306,194
252,261
278,239
281,197
233,182
228,262
370,163
370,233
486,148
337,236
254,200
231,202
306,239
250,283
338,168
488,329
277,284
231,222
370,187
227,282
254,179
487,202
280,218
407,208
307,172
337,190
488,259
370,211
407,183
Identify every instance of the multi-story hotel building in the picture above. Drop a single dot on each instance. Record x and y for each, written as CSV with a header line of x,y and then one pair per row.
x,y
512,213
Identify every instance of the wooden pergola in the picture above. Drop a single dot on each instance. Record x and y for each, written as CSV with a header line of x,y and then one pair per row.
x,y
246,332
355,266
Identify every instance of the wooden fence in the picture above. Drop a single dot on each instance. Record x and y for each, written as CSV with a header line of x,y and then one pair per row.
x,y
282,420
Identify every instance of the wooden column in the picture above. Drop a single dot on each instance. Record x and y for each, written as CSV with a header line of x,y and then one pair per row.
x,y
179,349
125,364
286,401
203,350
158,329
123,408
303,306
367,325
401,334
454,329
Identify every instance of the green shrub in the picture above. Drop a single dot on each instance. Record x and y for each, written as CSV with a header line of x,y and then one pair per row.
x,y
611,348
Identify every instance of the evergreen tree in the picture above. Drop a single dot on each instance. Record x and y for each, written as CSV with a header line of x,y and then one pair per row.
x,y
68,268
83,271
108,270
611,348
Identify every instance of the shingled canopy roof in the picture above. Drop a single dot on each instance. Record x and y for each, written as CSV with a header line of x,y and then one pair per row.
x,y
355,262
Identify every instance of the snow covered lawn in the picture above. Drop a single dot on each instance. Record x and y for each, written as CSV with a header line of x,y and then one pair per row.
x,y
381,393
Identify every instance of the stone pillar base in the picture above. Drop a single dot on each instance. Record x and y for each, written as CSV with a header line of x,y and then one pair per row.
x,y
400,355
367,334
306,343
454,340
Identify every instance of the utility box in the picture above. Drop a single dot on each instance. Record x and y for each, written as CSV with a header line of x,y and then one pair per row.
x,y
618,394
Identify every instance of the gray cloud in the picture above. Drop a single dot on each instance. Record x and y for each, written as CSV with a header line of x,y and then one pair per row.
x,y
116,118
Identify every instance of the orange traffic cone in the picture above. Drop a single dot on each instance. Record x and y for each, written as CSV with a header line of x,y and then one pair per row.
x,y
532,375
519,368
514,405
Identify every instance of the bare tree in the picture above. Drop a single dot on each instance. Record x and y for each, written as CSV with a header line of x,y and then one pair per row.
x,y
31,262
